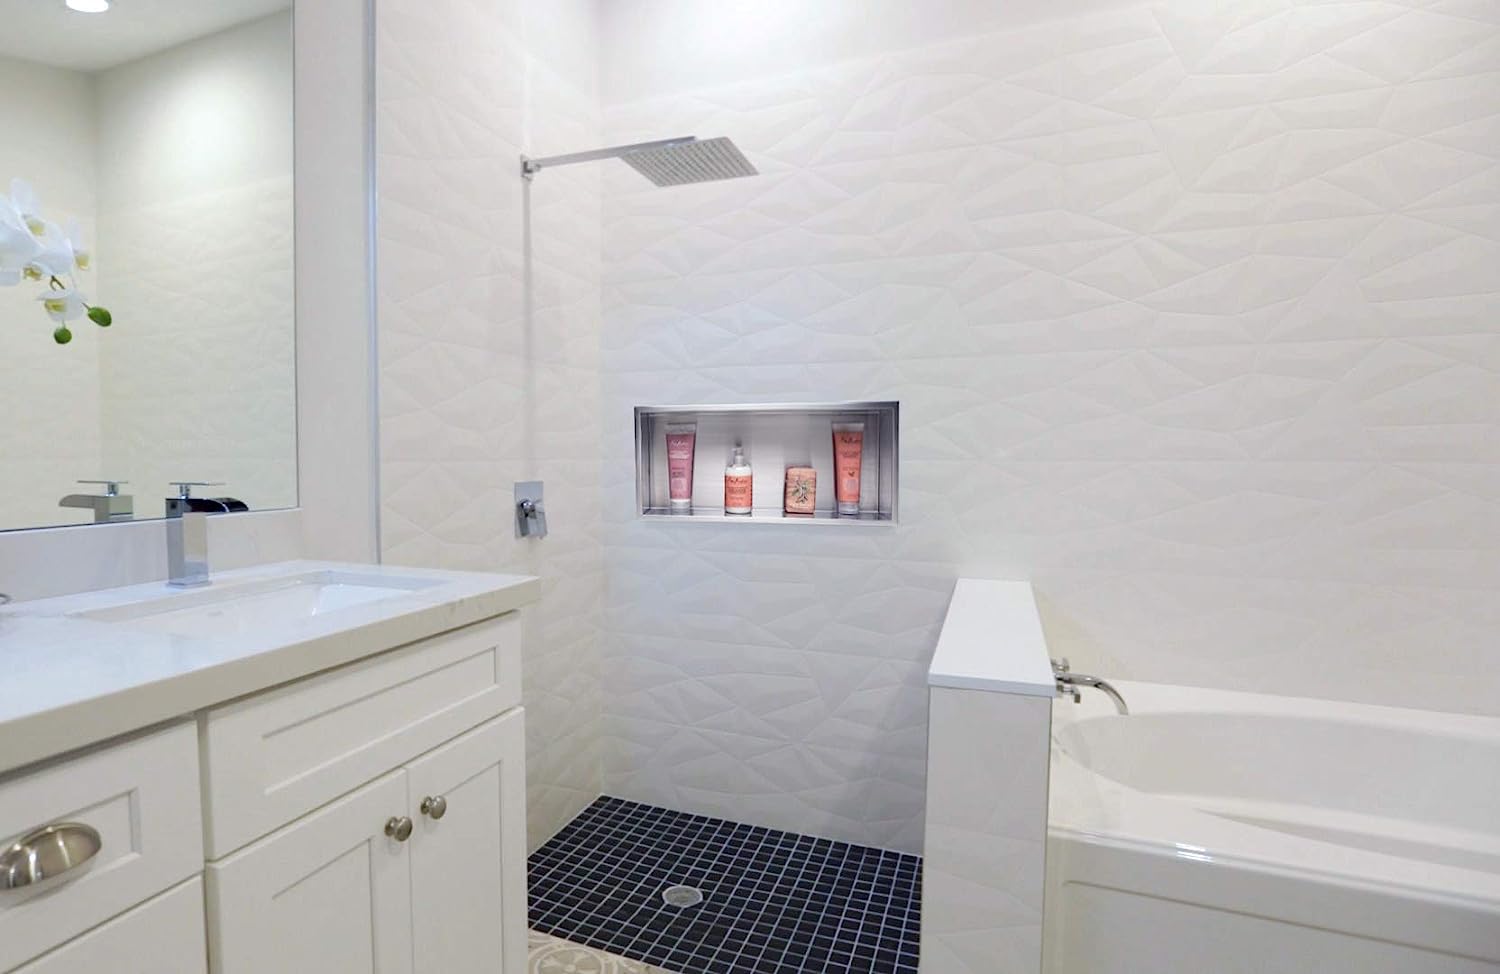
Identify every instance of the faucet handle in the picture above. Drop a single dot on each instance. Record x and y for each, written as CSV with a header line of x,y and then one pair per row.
x,y
111,487
185,487
531,513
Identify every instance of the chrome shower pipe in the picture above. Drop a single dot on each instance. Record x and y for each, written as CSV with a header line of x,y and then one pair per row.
x,y
530,167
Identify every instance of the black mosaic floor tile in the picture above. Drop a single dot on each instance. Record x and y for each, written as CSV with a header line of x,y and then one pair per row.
x,y
774,902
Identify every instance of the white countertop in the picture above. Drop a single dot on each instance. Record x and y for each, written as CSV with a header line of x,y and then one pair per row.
x,y
70,682
992,640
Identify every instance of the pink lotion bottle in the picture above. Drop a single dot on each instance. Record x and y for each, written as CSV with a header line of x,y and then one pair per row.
x,y
739,484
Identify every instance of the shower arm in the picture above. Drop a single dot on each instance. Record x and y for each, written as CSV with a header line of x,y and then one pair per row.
x,y
530,167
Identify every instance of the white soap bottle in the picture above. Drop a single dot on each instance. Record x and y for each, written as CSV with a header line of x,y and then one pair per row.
x,y
739,484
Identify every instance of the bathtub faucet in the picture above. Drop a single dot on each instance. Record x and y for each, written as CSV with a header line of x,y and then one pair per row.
x,y
1068,683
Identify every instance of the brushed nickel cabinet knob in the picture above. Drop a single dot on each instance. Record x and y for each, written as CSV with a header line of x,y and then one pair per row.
x,y
398,828
434,807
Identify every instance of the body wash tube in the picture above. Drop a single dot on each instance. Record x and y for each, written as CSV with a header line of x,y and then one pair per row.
x,y
848,451
681,438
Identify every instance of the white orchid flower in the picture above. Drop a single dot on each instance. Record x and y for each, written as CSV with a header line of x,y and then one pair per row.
x,y
23,197
18,246
64,304
54,256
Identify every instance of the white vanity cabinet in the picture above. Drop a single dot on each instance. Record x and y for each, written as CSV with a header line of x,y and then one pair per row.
x,y
342,890
422,866
305,768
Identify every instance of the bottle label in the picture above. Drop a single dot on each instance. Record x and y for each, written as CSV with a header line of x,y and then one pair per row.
x,y
738,491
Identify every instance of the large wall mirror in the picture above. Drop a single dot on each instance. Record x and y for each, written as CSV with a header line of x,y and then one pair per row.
x,y
146,182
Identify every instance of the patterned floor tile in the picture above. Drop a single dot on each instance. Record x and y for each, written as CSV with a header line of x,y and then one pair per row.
x,y
553,955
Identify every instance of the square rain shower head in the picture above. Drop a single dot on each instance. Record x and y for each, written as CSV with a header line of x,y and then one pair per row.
x,y
699,161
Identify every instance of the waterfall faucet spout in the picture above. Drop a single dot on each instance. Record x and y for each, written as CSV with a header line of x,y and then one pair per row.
x,y
187,535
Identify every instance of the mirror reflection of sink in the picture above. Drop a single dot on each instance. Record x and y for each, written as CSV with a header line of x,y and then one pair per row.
x,y
239,609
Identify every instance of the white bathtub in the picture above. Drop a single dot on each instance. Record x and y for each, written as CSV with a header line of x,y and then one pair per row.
x,y
1213,832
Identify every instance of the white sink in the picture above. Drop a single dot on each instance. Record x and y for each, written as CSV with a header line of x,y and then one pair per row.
x,y
249,607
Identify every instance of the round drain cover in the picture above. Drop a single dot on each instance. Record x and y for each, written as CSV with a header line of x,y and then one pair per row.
x,y
681,896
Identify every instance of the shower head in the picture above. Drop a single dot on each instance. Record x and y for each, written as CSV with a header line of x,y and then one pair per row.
x,y
668,162
691,162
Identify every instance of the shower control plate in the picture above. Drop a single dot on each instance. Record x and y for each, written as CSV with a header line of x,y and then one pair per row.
x,y
531,514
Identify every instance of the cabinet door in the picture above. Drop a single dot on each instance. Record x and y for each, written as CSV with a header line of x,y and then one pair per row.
x,y
328,894
469,865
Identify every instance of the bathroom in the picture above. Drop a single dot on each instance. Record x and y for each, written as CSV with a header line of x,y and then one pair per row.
x,y
406,621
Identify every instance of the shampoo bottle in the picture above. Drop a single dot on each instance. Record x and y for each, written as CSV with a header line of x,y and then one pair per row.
x,y
739,490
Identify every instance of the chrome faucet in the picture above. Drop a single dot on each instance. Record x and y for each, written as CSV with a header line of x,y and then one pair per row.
x,y
1068,683
187,537
108,506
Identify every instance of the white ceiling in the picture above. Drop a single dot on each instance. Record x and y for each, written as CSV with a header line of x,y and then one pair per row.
x,y
47,31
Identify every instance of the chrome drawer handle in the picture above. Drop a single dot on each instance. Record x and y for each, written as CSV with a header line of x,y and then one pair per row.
x,y
434,808
47,854
398,828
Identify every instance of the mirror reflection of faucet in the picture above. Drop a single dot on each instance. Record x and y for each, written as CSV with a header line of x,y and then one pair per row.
x,y
108,506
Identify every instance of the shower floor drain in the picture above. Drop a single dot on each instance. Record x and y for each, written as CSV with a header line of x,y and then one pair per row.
x,y
681,896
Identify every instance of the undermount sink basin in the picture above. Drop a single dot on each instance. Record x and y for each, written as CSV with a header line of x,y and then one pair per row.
x,y
248,607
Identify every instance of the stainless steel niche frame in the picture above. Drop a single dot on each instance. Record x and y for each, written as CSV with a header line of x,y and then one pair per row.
x,y
774,436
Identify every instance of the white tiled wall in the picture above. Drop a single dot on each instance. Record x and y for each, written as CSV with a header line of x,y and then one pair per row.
x,y
195,260
1191,311
48,394
489,336
204,387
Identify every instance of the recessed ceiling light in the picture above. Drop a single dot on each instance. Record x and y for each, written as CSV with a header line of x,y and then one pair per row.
x,y
88,6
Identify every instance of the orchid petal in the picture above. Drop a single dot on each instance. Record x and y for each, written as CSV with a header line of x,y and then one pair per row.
x,y
24,198
54,257
83,258
63,305
18,246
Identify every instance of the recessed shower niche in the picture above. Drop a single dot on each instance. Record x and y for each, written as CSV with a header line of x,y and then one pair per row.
x,y
804,459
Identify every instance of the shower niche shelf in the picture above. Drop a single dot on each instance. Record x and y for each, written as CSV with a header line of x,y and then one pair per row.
x,y
774,437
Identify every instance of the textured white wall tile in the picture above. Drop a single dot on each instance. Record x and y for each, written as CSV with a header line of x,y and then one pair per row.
x,y
195,260
1191,312
204,386
50,394
489,339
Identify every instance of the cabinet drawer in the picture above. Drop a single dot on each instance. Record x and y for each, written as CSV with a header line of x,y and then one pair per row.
x,y
142,797
161,936
276,756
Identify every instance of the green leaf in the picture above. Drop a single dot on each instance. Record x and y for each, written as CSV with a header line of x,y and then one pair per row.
x,y
62,335
101,316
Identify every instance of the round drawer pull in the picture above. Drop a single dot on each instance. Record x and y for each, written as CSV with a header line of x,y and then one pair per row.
x,y
435,808
398,828
47,854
